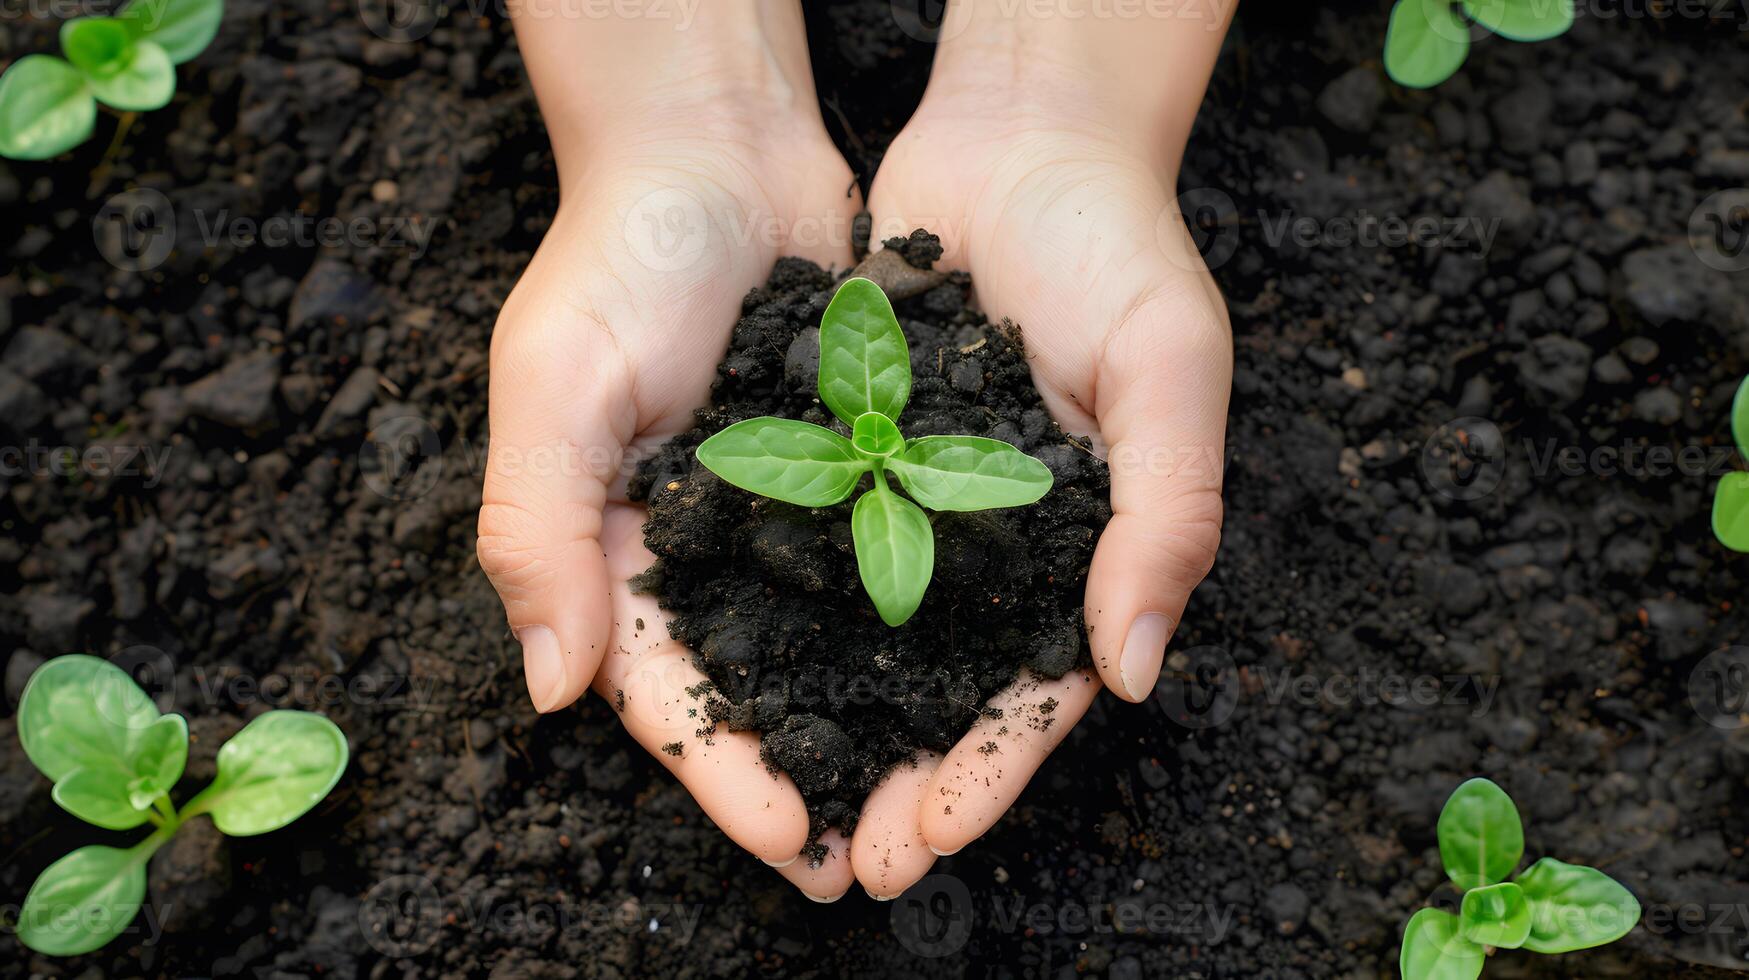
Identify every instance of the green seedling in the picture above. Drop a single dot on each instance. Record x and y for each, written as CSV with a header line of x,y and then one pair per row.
x,y
1428,40
114,759
1551,907
127,62
865,379
1731,500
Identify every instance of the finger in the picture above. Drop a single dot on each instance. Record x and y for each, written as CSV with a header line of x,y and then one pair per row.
x,y
558,417
1163,385
828,880
984,774
888,851
660,696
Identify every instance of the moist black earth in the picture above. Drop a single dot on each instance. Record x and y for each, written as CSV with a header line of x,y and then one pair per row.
x,y
768,593
316,424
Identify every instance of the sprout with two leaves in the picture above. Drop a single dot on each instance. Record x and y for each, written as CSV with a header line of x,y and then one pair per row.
x,y
49,105
1731,499
114,759
1551,907
1428,40
865,379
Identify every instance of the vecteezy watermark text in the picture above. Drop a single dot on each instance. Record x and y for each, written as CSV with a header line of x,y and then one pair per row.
x,y
104,461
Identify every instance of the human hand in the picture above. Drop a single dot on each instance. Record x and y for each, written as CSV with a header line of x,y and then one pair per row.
x,y
711,164
1054,187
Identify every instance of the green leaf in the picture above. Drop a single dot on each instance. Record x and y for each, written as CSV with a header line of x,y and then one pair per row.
x,y
895,551
1575,907
969,473
1480,836
1496,915
272,772
1523,20
864,364
183,28
1731,511
90,729
96,45
1434,949
100,797
129,74
1740,417
875,435
1426,43
146,80
46,108
84,900
159,757
791,461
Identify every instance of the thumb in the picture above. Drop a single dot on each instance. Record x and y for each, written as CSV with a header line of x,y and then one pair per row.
x,y
1164,380
553,450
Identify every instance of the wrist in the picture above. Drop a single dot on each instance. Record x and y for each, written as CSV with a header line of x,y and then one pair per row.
x,y
731,70
1131,73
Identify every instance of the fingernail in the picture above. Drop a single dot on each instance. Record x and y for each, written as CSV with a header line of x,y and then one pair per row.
x,y
782,864
824,900
941,853
543,664
1143,649
880,898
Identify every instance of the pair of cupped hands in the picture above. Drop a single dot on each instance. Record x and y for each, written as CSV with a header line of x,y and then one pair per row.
x,y
611,339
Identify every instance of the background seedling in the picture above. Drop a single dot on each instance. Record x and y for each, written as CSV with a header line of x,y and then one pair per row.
x,y
1731,499
1428,40
127,62
114,759
865,379
1551,907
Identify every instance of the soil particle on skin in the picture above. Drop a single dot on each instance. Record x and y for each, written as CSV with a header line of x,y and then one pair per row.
x,y
769,596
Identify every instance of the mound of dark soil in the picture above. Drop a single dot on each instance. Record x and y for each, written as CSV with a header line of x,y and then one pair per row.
x,y
768,595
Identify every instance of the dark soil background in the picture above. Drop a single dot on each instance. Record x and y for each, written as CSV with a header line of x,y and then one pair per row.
x,y
769,596
316,421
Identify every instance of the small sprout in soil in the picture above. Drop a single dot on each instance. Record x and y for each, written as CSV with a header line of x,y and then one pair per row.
x,y
1731,500
49,105
1428,40
114,759
1551,907
865,379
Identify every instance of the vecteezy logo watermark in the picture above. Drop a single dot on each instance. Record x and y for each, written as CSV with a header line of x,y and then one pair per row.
x,y
933,918
933,21
401,458
411,233
668,229
401,916
406,915
145,922
309,689
1718,230
135,230
1718,688
936,916
149,464
1209,219
1199,687
1464,459
412,20
1211,222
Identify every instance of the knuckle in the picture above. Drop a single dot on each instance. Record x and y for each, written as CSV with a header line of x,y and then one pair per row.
x,y
511,549
1192,538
